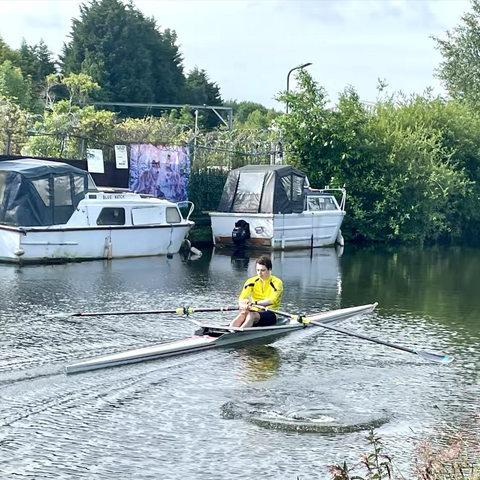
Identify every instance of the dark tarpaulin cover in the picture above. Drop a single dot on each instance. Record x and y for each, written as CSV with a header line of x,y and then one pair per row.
x,y
264,189
21,204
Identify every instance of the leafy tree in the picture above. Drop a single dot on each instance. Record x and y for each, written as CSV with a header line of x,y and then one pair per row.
x,y
460,67
251,115
199,90
125,53
36,61
14,124
68,124
14,85
400,175
6,53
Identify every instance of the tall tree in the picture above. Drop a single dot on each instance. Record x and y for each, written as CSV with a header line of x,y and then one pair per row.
x,y
36,61
6,53
199,90
125,53
14,85
460,67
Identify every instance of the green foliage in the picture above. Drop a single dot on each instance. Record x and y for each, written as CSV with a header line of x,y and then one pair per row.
x,y
199,90
125,53
377,465
405,181
206,187
66,124
14,85
35,62
251,115
157,131
6,53
457,461
459,69
13,127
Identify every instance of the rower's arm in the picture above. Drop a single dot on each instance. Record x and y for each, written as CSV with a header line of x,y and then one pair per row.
x,y
246,290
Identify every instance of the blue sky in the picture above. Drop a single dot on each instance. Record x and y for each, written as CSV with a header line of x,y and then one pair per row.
x,y
249,46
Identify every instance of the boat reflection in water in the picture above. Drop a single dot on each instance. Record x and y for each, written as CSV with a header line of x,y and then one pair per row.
x,y
300,270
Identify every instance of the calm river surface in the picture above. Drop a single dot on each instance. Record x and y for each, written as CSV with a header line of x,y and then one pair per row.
x,y
282,410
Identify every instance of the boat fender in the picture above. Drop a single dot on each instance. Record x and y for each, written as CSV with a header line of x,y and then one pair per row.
x,y
19,252
196,251
340,240
186,244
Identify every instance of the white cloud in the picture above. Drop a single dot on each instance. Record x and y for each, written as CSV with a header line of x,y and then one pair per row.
x,y
248,47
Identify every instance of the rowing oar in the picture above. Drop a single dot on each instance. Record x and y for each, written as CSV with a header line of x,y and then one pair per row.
x,y
181,310
425,355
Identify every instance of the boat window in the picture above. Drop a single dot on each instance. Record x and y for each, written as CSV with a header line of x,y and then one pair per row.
x,y
173,215
297,190
79,184
111,216
42,187
3,184
287,185
249,192
320,203
293,186
148,215
91,184
62,192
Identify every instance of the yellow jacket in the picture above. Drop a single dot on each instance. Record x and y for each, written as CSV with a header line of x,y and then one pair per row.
x,y
260,290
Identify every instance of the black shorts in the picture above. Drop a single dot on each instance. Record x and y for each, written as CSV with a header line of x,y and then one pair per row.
x,y
266,318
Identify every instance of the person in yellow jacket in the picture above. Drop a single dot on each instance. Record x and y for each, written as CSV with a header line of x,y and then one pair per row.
x,y
263,289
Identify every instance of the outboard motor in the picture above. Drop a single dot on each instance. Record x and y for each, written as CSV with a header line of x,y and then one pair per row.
x,y
241,233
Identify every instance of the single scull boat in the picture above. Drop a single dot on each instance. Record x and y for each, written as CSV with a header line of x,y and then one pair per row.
x,y
211,336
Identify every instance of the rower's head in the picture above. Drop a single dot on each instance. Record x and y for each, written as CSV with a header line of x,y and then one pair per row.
x,y
264,267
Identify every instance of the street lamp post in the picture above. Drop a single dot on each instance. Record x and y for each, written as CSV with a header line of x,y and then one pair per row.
x,y
288,77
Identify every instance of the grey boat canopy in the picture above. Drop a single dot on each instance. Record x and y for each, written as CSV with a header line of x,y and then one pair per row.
x,y
40,193
264,189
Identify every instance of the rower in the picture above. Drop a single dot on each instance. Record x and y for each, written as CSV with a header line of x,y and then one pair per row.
x,y
264,289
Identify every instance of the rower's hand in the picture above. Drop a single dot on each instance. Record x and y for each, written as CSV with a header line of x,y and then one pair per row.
x,y
244,304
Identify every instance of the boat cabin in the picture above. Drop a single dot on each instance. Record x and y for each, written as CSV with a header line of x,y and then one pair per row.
x,y
36,193
273,206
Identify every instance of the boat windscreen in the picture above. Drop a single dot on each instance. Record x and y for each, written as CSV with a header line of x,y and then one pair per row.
x,y
249,192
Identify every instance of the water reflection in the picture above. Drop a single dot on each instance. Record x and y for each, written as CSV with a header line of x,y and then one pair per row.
x,y
427,298
258,362
302,272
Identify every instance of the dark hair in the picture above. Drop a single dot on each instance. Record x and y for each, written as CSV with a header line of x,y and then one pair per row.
x,y
265,261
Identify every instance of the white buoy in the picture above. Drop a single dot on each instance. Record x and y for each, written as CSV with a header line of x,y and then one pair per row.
x,y
340,240
196,251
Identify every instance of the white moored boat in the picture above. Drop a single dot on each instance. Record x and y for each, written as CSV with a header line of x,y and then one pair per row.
x,y
272,206
51,211
211,336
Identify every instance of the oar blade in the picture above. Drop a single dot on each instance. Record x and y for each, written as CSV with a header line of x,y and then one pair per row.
x,y
432,357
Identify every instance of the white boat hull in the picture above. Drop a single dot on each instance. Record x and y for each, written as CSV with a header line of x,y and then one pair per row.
x,y
218,336
281,231
23,245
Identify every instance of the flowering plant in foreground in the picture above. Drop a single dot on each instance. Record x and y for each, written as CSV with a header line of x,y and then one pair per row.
x,y
459,460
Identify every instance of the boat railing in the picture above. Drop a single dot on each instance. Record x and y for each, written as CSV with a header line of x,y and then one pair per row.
x,y
186,202
343,192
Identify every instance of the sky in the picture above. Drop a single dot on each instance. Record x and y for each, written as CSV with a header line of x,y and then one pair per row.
x,y
249,46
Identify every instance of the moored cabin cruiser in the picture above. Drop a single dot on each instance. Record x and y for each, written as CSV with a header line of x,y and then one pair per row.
x,y
273,206
52,211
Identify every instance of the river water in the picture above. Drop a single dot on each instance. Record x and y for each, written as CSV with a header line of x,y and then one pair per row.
x,y
284,410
